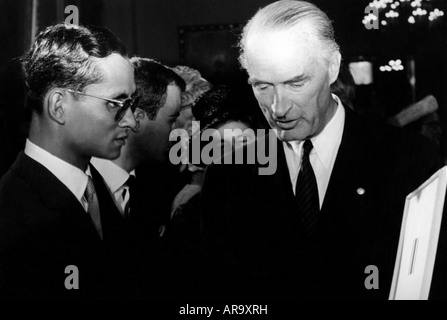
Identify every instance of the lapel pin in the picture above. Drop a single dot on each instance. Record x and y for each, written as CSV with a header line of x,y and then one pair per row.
x,y
360,191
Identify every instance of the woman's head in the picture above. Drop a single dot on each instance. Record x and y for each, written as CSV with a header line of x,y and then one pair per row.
x,y
224,119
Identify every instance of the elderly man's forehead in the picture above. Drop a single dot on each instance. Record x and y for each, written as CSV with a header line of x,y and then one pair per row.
x,y
303,32
276,44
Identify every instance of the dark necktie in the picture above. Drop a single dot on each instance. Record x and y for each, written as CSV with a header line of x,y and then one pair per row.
x,y
129,205
93,205
306,192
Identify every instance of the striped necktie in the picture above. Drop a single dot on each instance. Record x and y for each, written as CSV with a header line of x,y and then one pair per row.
x,y
306,192
93,205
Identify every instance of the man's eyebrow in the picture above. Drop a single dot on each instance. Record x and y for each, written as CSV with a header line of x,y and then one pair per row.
x,y
252,81
299,78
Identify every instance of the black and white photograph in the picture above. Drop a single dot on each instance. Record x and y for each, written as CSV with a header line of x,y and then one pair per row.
x,y
217,158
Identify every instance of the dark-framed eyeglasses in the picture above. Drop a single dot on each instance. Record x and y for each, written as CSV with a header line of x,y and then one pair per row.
x,y
121,106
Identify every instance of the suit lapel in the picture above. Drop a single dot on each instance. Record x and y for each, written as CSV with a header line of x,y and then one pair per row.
x,y
51,190
348,162
350,185
275,193
112,222
57,198
348,179
118,242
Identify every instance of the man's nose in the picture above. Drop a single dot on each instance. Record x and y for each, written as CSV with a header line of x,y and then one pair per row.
x,y
128,120
281,103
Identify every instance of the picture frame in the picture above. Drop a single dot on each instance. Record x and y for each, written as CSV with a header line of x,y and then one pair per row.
x,y
418,240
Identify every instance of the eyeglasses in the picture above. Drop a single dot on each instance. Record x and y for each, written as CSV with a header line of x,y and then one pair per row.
x,y
122,105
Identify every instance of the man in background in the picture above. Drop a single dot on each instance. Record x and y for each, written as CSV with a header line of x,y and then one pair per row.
x,y
136,180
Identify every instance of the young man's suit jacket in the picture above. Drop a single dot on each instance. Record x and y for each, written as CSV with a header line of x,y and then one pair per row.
x,y
254,243
44,229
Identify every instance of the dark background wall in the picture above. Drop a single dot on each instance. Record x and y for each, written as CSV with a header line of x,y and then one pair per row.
x,y
152,28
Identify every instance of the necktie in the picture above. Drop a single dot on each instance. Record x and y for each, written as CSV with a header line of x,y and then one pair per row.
x,y
93,205
306,191
131,185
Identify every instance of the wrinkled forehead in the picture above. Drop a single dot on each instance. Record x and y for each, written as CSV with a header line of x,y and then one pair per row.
x,y
275,55
301,36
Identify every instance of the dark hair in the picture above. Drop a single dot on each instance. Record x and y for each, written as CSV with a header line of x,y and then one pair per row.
x,y
152,79
64,56
218,106
344,87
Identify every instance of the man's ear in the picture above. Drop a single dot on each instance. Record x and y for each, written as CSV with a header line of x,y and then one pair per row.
x,y
334,67
55,106
139,115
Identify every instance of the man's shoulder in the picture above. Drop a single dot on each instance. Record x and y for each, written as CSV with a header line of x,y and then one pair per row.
x,y
386,136
20,204
28,188
15,183
398,152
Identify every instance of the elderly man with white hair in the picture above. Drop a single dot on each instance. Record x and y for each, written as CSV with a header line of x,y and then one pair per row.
x,y
334,205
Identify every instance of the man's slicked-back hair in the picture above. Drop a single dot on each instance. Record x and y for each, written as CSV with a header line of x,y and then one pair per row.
x,y
152,80
288,14
65,56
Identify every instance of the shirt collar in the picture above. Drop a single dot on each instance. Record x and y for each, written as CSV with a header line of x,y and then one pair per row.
x,y
72,177
327,142
114,176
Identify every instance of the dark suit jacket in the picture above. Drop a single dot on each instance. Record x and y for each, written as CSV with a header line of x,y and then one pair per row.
x,y
139,245
44,229
253,234
118,244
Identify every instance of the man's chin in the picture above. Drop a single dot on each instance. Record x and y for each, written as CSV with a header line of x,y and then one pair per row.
x,y
288,135
112,154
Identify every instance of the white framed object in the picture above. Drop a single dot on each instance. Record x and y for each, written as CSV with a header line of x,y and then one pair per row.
x,y
418,240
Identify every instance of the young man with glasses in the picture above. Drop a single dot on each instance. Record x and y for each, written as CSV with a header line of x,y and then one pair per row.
x,y
136,180
54,233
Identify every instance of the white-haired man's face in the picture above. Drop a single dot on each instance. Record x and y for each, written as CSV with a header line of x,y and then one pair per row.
x,y
291,81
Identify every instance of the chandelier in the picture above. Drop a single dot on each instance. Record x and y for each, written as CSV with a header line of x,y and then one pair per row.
x,y
409,11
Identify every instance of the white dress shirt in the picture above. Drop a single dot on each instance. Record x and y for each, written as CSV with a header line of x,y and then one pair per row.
x,y
115,178
72,177
323,155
